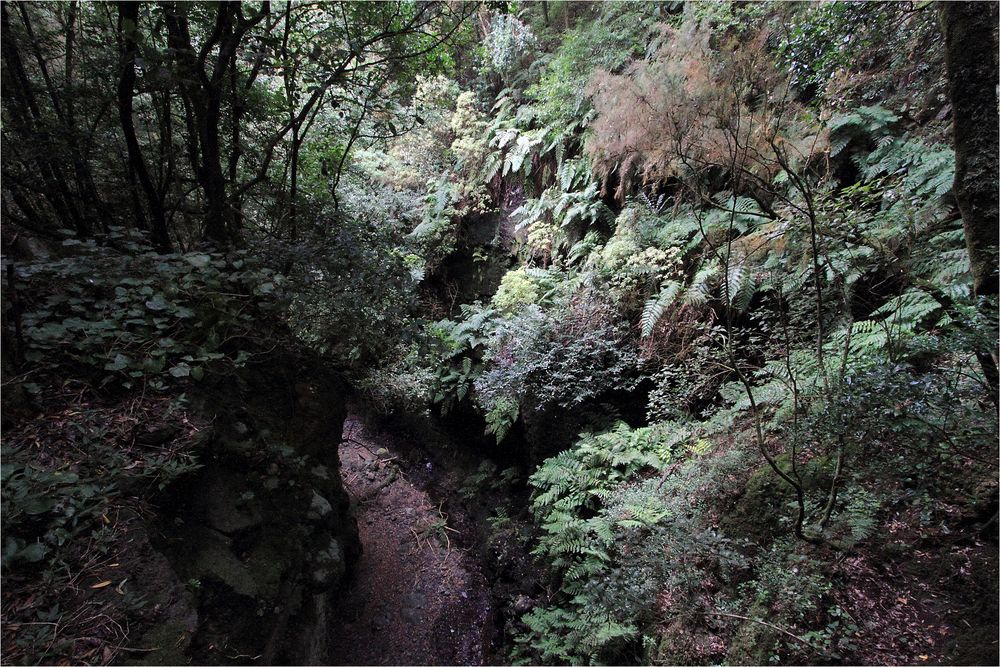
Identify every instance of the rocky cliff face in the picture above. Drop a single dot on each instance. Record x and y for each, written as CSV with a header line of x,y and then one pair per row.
x,y
249,552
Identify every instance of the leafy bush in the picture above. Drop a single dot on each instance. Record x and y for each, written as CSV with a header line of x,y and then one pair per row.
x,y
517,289
556,359
146,316
458,347
353,291
508,42
401,384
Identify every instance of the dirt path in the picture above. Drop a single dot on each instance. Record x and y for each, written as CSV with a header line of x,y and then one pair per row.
x,y
416,598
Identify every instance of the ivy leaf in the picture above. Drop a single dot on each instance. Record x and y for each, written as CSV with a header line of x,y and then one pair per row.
x,y
157,303
121,362
33,552
181,370
197,259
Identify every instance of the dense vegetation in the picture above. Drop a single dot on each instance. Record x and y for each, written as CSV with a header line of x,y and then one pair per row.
x,y
719,278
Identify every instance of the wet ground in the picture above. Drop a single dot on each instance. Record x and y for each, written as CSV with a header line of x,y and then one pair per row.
x,y
418,597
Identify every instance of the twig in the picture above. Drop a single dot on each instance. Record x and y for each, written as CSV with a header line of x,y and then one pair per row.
x,y
764,623
416,536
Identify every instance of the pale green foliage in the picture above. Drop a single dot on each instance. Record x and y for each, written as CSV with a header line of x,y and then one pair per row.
x,y
517,288
507,42
632,270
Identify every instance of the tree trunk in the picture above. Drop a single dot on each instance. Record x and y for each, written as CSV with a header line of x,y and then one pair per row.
x,y
971,55
28,119
129,15
85,191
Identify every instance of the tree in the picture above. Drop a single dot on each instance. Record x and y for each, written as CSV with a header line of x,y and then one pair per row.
x,y
195,151
970,30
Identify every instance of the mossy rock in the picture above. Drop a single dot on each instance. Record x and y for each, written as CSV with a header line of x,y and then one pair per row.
x,y
753,643
165,644
766,498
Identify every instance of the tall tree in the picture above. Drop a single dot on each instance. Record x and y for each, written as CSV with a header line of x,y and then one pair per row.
x,y
970,32
129,26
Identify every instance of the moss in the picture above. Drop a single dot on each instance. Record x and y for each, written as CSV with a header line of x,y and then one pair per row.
x,y
213,559
765,499
753,643
169,642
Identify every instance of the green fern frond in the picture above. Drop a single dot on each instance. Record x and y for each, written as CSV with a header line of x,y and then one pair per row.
x,y
656,306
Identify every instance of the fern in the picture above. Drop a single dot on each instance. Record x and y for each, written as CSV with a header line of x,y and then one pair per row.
x,y
873,122
699,291
501,417
656,306
741,284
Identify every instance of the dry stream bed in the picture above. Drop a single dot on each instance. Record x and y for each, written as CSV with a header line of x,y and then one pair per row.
x,y
417,595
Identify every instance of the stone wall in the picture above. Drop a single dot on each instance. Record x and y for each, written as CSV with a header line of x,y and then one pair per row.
x,y
260,539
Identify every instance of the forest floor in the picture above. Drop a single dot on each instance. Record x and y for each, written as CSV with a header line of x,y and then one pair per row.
x,y
417,596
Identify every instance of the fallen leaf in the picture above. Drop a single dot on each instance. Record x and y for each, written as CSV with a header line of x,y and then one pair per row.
x,y
102,584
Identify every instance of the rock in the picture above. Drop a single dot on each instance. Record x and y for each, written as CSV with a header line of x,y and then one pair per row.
x,y
247,523
329,564
212,559
523,604
319,507
228,502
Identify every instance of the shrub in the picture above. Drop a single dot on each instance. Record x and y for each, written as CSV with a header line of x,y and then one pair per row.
x,y
517,289
562,358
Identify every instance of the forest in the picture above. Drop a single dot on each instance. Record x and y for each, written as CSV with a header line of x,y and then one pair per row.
x,y
527,332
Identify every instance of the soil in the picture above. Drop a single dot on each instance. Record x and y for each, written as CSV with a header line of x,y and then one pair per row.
x,y
418,596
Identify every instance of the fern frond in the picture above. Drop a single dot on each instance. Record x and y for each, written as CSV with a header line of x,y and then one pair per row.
x,y
656,306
